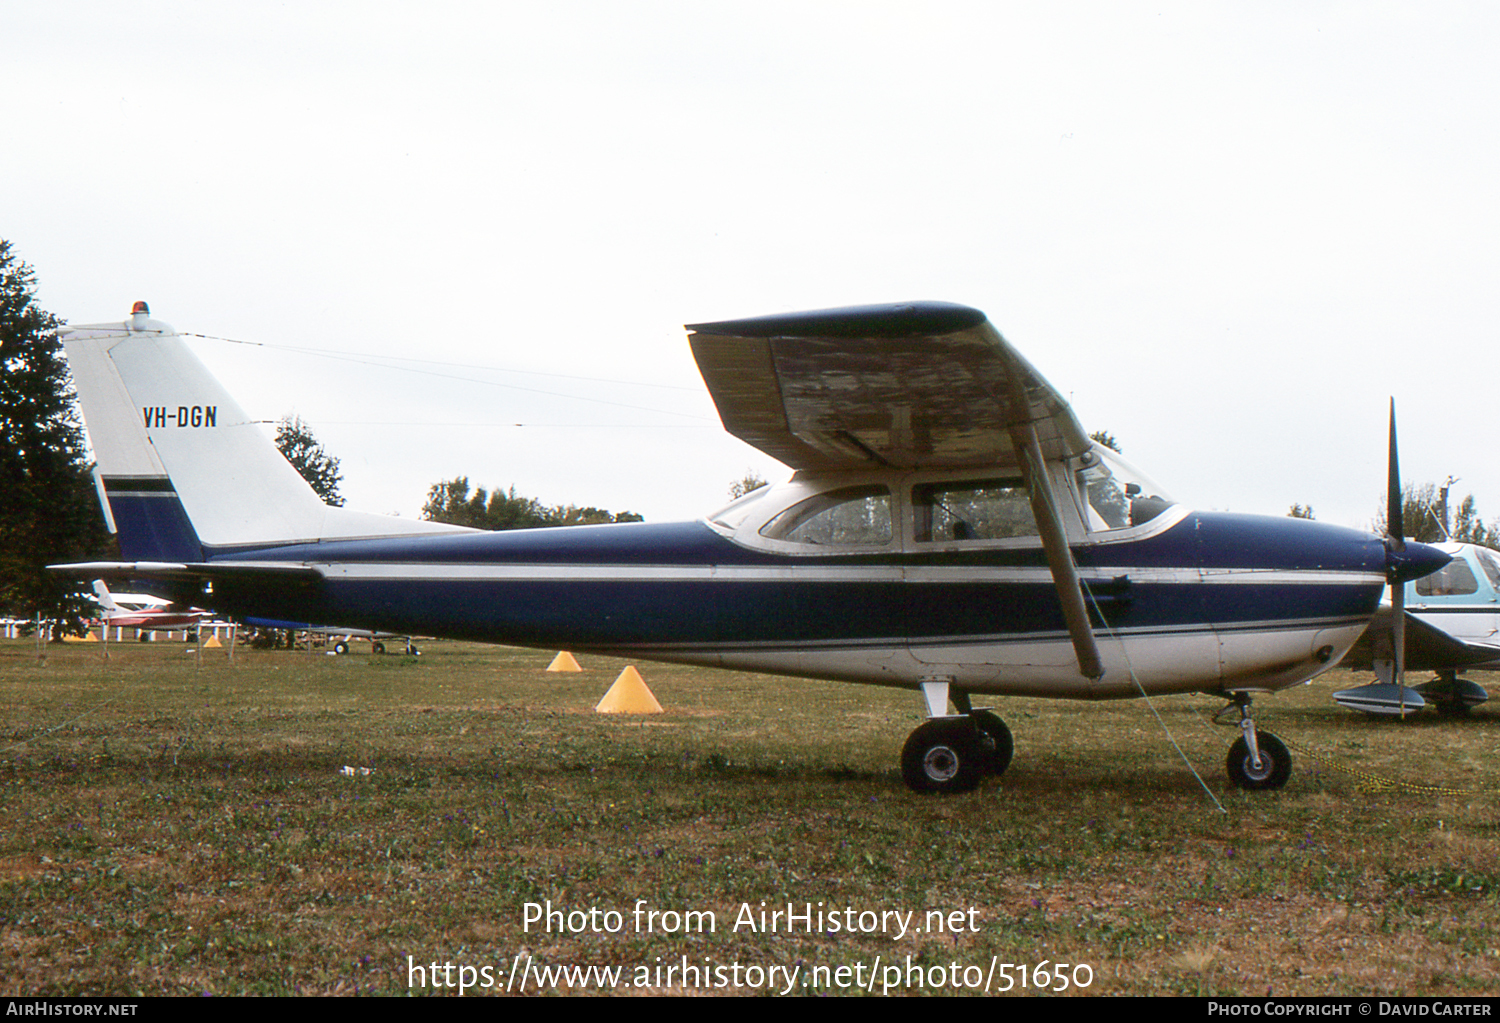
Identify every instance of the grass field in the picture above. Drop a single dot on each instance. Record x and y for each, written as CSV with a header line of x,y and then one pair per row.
x,y
169,829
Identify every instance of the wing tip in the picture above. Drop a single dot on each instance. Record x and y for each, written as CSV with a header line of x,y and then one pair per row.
x,y
892,320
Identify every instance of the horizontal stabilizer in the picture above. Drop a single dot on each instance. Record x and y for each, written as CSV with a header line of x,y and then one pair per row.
x,y
270,570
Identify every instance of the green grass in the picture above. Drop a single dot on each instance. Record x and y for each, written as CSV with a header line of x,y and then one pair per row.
x,y
169,829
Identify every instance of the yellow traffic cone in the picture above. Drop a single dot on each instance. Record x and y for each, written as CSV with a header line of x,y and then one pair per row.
x,y
629,695
564,661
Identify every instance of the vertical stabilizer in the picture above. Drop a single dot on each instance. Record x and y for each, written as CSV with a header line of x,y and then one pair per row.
x,y
185,471
140,503
106,599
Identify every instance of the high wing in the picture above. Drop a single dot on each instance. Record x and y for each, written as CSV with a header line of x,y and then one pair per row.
x,y
910,386
925,385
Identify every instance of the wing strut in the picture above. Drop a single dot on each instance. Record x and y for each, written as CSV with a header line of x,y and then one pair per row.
x,y
1059,556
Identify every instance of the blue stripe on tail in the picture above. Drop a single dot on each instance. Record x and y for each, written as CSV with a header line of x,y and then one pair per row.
x,y
151,521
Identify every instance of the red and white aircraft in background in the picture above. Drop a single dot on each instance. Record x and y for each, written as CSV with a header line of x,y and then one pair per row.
x,y
142,611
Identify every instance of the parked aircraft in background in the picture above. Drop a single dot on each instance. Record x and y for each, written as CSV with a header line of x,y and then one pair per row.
x,y
949,528
338,638
1452,623
143,611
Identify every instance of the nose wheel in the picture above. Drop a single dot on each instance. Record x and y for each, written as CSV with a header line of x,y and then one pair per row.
x,y
1257,761
1273,770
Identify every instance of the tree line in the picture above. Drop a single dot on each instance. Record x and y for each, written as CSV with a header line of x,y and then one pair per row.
x,y
455,502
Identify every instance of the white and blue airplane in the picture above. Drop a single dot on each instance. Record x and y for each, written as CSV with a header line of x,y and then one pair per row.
x,y
949,528
1452,625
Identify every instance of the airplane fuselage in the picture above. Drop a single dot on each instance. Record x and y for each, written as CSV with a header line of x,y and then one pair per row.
x,y
1209,601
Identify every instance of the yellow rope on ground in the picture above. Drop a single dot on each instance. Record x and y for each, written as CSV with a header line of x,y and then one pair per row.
x,y
1376,783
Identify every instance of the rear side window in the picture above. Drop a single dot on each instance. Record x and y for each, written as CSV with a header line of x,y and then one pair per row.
x,y
839,518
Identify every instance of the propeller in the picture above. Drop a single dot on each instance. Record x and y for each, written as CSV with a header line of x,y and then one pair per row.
x,y
1395,529
1403,562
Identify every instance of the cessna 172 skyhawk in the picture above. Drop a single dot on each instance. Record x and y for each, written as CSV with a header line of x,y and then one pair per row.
x,y
950,527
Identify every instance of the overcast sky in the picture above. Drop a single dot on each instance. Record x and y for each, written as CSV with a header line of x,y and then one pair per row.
x,y
1227,231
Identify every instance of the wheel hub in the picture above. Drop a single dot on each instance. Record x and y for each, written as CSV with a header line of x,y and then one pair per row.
x,y
1262,772
940,763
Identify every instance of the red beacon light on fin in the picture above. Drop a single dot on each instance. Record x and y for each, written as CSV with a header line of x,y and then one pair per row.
x,y
139,314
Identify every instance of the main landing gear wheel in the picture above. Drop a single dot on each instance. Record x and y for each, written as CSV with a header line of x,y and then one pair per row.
x,y
996,740
1275,763
1453,697
946,756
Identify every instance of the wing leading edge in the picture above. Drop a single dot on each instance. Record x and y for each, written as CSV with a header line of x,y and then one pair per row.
x,y
1428,648
910,386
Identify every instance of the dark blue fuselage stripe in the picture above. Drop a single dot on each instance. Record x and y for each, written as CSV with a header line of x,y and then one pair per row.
x,y
802,608
791,612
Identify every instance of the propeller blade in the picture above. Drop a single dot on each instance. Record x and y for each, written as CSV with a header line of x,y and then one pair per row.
x,y
1403,562
1394,527
1398,638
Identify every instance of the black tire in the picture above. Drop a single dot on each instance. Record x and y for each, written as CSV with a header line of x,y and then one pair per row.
x,y
996,738
378,648
1275,767
943,756
341,647
412,651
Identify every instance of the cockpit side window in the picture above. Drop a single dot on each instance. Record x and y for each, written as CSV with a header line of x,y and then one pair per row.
x,y
1452,580
995,509
846,517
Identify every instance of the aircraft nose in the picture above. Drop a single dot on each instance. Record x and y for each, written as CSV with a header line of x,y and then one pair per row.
x,y
1413,562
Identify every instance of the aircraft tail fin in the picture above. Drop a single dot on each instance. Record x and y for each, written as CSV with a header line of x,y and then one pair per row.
x,y
106,601
184,472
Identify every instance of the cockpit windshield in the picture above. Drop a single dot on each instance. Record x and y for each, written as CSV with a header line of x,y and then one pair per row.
x,y
1490,562
731,515
1119,495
